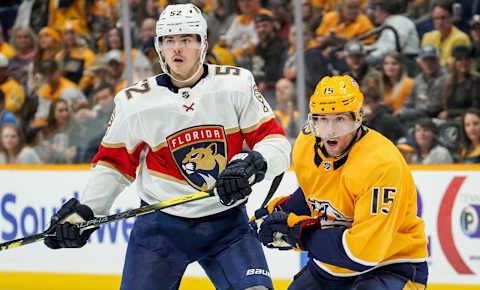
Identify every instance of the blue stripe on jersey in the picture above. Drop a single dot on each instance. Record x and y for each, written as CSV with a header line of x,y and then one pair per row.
x,y
326,246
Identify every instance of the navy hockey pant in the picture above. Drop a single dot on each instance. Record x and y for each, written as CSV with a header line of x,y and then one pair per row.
x,y
161,246
402,276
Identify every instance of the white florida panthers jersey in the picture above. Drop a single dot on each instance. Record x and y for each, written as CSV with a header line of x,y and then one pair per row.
x,y
182,139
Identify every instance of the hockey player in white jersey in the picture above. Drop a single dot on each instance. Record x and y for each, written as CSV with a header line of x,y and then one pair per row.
x,y
185,128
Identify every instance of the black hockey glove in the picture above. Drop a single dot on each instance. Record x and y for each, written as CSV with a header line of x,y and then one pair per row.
x,y
62,225
284,231
236,180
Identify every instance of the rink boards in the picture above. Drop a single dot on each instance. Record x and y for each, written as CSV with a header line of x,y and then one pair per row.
x,y
449,201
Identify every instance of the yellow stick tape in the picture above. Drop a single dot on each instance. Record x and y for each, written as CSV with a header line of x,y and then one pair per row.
x,y
55,281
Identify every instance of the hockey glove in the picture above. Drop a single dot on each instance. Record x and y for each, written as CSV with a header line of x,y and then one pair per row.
x,y
285,231
260,214
62,225
235,181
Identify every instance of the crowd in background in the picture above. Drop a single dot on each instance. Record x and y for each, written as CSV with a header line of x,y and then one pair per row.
x,y
417,63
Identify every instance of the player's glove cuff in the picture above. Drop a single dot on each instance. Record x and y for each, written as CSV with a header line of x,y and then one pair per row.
x,y
235,181
62,226
280,229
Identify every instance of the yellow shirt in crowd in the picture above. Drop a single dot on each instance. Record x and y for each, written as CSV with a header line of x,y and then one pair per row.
x,y
361,25
14,96
76,12
7,50
445,47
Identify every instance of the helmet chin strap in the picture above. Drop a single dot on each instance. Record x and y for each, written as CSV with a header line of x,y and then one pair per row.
x,y
163,63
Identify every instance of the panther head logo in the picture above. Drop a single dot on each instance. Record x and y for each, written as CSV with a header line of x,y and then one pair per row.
x,y
204,163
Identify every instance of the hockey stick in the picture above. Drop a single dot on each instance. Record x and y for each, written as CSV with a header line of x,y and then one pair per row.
x,y
112,218
275,183
262,212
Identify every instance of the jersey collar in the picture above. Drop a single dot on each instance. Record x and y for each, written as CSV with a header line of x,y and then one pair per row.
x,y
164,80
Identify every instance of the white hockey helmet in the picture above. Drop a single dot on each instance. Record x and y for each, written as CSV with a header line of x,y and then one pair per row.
x,y
180,19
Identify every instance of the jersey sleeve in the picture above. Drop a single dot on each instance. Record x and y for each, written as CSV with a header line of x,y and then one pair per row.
x,y
115,164
261,131
296,203
379,210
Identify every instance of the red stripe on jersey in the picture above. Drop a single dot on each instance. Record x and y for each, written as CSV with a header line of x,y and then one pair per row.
x,y
268,128
119,157
234,143
162,161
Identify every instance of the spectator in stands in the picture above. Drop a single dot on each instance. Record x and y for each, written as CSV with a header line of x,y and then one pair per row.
x,y
268,59
379,116
102,11
241,37
51,90
475,35
147,35
5,115
142,67
418,8
48,46
75,56
395,85
63,11
114,70
217,54
387,12
462,87
325,5
37,16
219,20
53,141
282,16
92,123
429,151
74,97
343,24
470,137
316,64
285,111
5,48
12,147
358,68
312,16
425,98
102,15
14,94
141,9
445,36
24,41
406,146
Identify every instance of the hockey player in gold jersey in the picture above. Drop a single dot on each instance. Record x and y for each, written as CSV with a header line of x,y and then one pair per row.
x,y
355,212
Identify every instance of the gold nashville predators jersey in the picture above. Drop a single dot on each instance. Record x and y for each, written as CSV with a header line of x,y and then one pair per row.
x,y
370,191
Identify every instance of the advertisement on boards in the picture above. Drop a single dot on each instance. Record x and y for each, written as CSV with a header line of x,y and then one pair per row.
x,y
448,201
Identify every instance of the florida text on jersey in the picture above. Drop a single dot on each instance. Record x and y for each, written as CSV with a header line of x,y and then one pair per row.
x,y
183,138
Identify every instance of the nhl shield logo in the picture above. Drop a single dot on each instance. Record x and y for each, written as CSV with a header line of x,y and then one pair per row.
x,y
327,165
200,154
